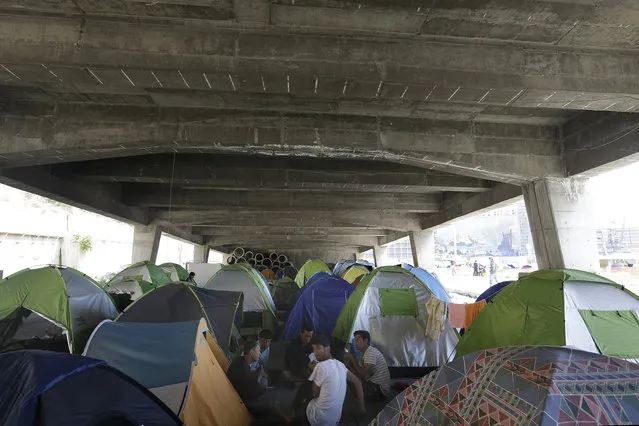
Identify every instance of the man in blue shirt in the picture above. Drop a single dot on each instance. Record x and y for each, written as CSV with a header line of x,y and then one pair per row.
x,y
260,367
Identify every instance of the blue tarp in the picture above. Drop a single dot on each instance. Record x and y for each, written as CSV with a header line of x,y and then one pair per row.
x,y
431,282
155,355
320,302
69,389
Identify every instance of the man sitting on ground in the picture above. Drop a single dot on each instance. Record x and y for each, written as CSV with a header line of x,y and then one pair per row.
x,y
258,402
260,367
329,379
372,369
297,354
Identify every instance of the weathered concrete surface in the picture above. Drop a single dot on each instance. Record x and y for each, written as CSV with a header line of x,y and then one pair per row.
x,y
563,231
422,244
340,124
146,243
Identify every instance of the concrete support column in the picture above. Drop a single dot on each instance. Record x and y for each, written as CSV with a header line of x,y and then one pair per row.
x,y
381,256
146,242
422,244
201,254
560,217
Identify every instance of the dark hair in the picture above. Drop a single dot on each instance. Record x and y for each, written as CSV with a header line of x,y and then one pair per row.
x,y
249,345
321,340
365,335
306,327
266,334
191,274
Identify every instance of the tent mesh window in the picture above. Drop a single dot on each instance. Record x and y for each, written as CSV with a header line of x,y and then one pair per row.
x,y
616,333
398,301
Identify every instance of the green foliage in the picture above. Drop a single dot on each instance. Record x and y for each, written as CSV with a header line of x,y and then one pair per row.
x,y
85,243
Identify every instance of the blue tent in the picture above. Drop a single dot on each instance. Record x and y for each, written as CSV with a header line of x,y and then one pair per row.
x,y
68,389
492,291
431,282
320,303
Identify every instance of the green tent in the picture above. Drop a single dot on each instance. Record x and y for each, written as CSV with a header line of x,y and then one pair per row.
x,y
136,288
390,303
559,308
285,293
177,272
310,268
44,307
143,271
259,308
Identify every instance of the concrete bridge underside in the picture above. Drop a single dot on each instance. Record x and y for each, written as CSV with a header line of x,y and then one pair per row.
x,y
318,127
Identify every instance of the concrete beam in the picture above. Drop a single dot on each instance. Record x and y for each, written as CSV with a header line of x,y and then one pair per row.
x,y
595,143
152,196
274,229
201,253
561,223
496,151
222,49
291,240
308,219
245,173
476,203
97,197
423,249
146,243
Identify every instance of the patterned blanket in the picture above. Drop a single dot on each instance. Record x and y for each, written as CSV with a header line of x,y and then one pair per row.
x,y
521,386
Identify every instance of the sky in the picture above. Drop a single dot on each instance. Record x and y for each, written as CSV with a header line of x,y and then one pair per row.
x,y
616,197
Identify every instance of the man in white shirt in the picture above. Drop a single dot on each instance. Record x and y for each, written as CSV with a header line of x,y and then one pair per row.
x,y
372,369
329,379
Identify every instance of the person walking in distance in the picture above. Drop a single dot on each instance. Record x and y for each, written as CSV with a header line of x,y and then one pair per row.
x,y
493,272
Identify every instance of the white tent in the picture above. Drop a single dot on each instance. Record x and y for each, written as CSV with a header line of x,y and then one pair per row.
x,y
401,337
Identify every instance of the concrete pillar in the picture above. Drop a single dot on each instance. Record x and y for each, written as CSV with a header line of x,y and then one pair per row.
x,y
381,256
422,244
146,242
201,254
561,224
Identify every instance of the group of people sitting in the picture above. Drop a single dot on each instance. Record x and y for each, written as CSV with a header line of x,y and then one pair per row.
x,y
324,380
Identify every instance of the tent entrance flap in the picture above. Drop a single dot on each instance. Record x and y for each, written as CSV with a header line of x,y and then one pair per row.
x,y
616,333
398,301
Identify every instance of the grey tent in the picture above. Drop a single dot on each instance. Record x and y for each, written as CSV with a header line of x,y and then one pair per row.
x,y
177,302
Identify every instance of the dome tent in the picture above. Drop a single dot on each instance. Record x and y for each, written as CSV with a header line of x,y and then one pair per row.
x,y
285,293
521,386
143,271
177,302
560,308
352,274
310,268
319,304
43,307
342,267
390,303
179,362
61,388
136,288
175,271
431,282
259,308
